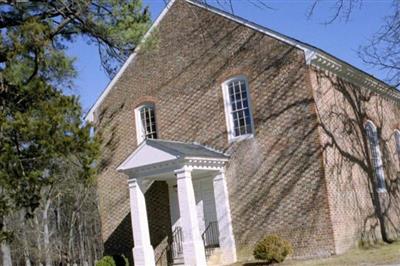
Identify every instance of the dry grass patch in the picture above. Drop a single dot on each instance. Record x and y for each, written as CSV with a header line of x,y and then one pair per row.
x,y
380,255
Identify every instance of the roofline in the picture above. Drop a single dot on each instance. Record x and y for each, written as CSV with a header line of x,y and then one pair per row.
x,y
196,158
313,55
90,114
284,38
149,141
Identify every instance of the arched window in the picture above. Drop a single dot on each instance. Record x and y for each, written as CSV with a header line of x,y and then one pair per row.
x,y
376,156
237,108
397,139
146,127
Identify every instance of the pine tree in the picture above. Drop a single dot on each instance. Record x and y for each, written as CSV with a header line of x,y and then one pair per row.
x,y
41,131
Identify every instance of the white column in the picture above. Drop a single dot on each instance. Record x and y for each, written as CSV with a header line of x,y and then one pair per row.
x,y
143,253
226,238
193,247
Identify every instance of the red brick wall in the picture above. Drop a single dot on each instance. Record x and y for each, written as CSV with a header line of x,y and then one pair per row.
x,y
276,179
343,108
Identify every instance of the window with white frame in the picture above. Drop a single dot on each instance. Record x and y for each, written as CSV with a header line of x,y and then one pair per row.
x,y
397,139
376,156
237,108
146,127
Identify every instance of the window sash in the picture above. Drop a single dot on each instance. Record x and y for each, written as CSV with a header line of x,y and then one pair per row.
x,y
376,156
147,122
239,108
397,140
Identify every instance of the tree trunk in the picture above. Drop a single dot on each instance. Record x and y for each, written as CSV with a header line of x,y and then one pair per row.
x,y
88,235
71,236
81,239
46,233
6,253
38,240
25,240
380,215
376,202
59,231
5,248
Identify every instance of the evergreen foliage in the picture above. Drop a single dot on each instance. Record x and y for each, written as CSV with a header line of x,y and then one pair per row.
x,y
41,130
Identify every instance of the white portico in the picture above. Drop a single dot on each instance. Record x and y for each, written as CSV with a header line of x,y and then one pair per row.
x,y
198,198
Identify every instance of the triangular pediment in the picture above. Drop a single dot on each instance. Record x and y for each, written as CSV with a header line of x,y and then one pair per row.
x,y
153,152
146,155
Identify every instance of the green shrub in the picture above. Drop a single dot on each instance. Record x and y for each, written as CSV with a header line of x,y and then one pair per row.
x,y
116,260
106,261
272,249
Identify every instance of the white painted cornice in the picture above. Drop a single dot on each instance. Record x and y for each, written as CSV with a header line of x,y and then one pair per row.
x,y
165,170
353,75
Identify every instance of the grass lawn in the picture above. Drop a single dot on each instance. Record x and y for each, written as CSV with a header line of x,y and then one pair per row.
x,y
380,255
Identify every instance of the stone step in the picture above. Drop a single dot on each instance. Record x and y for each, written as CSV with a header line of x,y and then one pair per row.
x,y
178,261
214,257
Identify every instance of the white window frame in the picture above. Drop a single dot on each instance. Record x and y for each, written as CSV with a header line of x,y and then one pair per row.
x,y
376,162
228,110
140,131
397,142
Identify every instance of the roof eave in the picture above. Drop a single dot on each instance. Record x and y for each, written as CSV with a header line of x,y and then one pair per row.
x,y
89,117
312,55
354,75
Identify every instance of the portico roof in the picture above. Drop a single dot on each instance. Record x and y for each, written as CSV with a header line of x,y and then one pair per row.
x,y
154,157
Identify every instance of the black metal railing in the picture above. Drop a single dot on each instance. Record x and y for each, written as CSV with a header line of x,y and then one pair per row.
x,y
211,237
176,243
174,250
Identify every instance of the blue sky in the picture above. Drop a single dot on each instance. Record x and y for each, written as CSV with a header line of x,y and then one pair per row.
x,y
289,17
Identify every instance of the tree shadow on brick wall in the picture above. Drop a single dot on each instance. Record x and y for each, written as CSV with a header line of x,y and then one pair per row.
x,y
121,242
280,185
116,243
346,146
276,178
293,158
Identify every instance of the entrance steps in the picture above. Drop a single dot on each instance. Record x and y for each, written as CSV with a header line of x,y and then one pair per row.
x,y
178,261
213,258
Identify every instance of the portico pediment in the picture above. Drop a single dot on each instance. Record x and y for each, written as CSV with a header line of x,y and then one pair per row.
x,y
159,157
146,154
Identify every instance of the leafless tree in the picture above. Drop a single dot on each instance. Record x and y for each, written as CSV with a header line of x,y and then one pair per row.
x,y
382,51
64,230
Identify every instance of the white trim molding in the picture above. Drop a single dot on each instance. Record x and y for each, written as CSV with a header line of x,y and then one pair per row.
x,y
153,160
353,75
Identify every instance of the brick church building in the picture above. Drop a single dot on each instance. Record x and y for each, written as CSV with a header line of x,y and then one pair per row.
x,y
222,132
